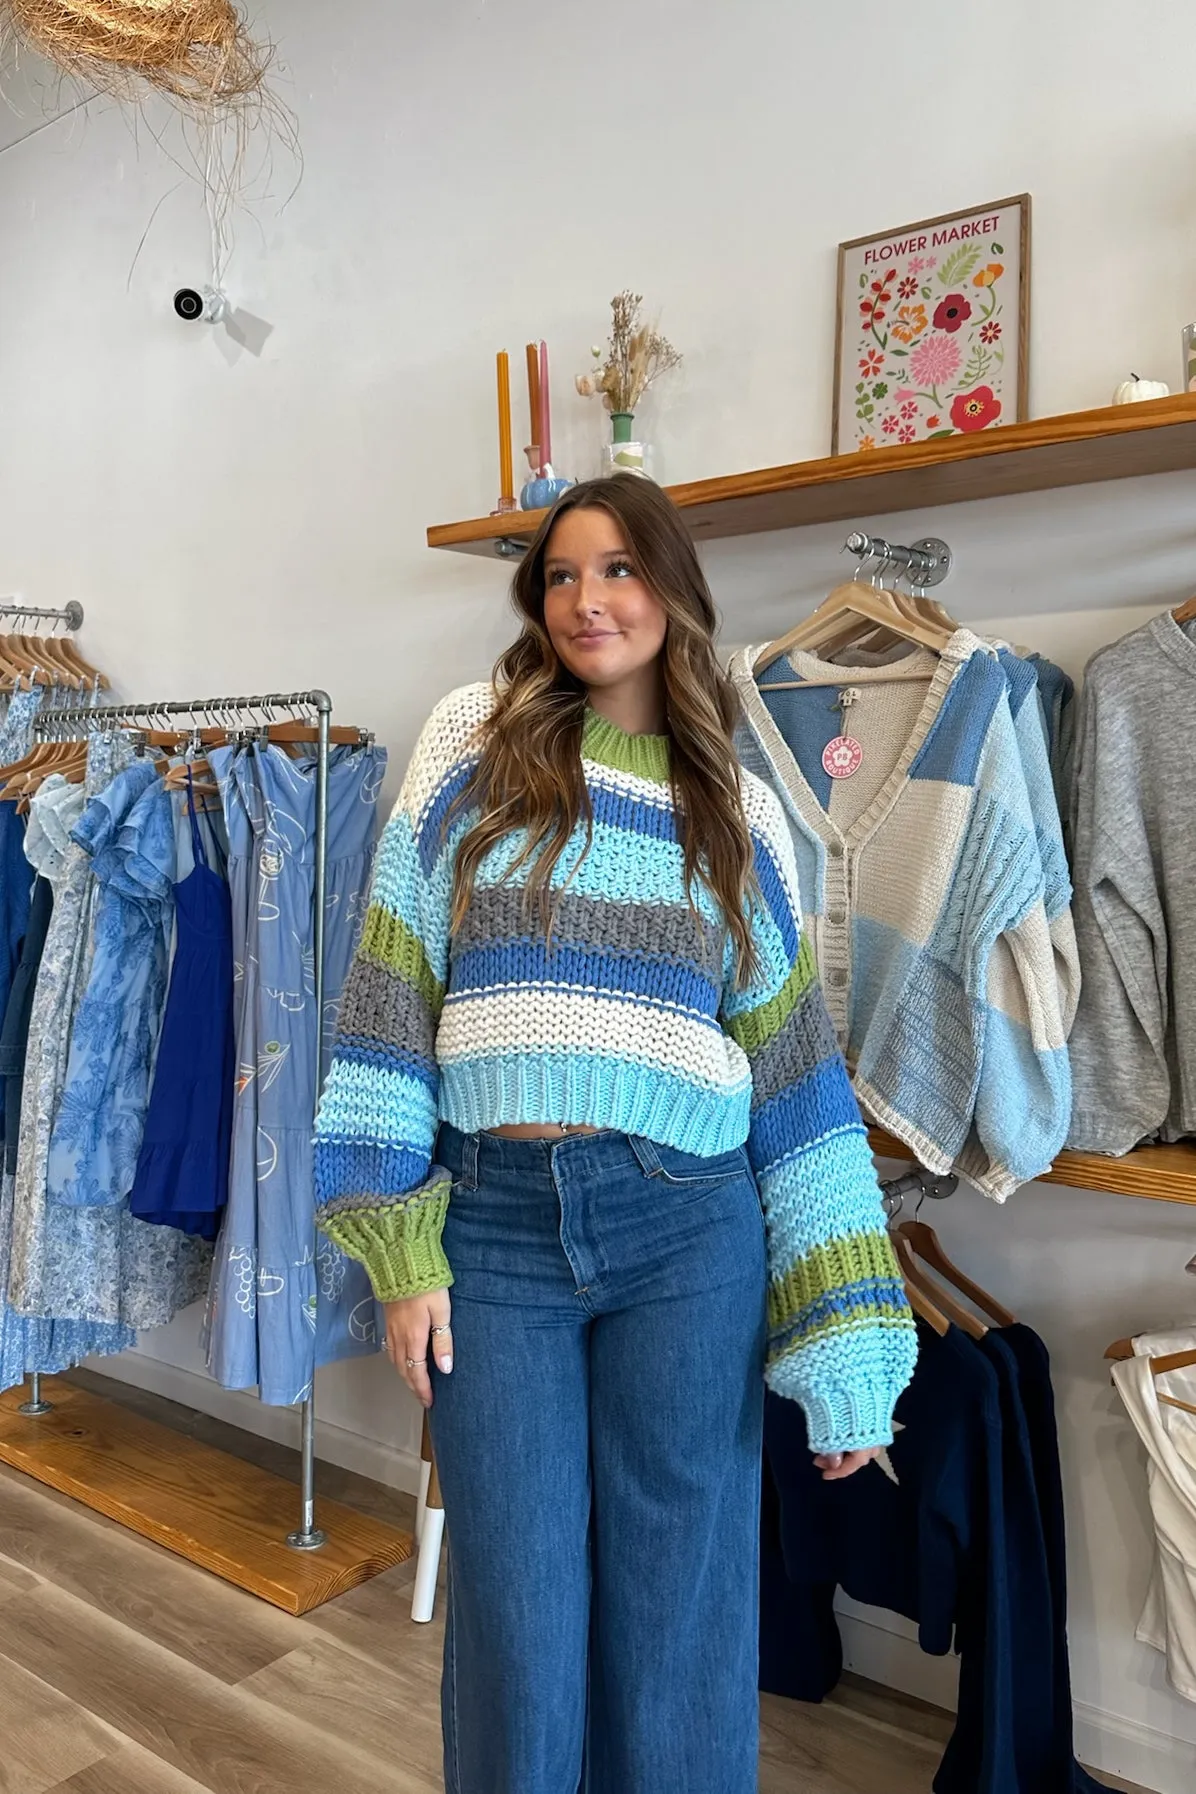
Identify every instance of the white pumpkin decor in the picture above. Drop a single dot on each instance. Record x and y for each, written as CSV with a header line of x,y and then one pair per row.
x,y
1133,391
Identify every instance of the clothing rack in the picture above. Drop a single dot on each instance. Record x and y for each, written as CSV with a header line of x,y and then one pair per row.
x,y
234,713
927,561
70,616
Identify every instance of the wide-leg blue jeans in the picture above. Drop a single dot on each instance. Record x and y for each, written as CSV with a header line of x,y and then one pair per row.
x,y
599,1448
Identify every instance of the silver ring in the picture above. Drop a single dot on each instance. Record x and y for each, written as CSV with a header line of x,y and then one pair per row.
x,y
445,1329
414,1363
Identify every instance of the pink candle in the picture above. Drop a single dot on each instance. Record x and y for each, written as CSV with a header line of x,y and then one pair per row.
x,y
545,409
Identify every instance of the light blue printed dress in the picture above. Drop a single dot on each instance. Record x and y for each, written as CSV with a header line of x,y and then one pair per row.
x,y
285,1301
128,830
87,1264
32,1342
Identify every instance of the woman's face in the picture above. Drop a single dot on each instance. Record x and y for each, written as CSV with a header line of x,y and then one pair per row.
x,y
603,621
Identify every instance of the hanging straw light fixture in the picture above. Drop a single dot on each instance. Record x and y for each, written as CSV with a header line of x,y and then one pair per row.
x,y
199,53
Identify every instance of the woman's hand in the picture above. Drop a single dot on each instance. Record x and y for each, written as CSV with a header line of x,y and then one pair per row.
x,y
835,1465
418,1329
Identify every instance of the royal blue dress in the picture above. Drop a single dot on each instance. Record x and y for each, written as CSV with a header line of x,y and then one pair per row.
x,y
182,1169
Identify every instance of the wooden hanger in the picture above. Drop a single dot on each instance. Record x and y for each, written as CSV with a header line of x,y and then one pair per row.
x,y
924,1241
25,668
25,775
1185,612
946,1304
837,621
925,1309
91,676
50,649
1123,1349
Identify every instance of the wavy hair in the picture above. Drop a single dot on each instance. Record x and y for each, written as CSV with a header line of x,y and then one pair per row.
x,y
529,776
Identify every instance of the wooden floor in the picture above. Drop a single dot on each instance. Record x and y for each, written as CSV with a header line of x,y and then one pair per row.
x,y
124,1670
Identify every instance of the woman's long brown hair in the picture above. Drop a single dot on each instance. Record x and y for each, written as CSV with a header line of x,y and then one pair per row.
x,y
529,775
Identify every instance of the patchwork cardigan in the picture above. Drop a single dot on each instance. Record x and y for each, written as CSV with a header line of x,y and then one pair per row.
x,y
630,1018
944,941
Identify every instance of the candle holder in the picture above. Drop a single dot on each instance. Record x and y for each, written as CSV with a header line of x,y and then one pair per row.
x,y
543,490
505,505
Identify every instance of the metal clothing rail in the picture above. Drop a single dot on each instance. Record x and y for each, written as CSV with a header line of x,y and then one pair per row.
x,y
236,713
71,615
927,561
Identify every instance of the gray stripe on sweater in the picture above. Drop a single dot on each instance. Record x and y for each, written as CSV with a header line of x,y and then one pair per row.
x,y
379,1005
806,1039
497,913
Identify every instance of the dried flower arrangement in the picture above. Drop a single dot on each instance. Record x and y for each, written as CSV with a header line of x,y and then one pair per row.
x,y
637,355
199,53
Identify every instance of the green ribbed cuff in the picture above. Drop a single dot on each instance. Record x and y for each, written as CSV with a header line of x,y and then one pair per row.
x,y
399,1243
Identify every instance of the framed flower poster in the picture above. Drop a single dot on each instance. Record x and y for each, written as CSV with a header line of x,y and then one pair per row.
x,y
932,328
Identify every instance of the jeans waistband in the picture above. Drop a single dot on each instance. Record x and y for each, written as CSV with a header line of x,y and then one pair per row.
x,y
465,1156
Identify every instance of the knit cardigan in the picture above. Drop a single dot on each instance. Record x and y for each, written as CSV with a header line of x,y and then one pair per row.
x,y
630,1018
945,943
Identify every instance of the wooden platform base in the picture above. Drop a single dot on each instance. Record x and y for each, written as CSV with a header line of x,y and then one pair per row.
x,y
225,1515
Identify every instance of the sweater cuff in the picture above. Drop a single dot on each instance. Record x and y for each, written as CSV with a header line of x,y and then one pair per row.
x,y
397,1239
849,1404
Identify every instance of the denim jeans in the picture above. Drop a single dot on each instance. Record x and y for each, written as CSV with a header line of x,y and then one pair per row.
x,y
599,1450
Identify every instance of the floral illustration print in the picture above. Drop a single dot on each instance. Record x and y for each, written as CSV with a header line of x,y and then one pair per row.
x,y
952,313
930,351
975,410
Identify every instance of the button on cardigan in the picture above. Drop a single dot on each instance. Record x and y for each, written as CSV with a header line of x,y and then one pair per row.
x,y
630,1018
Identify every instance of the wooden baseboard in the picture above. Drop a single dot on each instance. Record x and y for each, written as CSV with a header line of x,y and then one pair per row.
x,y
226,1515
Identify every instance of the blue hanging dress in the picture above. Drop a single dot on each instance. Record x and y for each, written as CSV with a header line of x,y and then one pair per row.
x,y
182,1169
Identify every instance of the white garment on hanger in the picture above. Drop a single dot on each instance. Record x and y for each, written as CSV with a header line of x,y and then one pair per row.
x,y
1168,1621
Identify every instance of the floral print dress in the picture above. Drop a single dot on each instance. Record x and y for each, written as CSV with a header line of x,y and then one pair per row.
x,y
33,1342
92,1263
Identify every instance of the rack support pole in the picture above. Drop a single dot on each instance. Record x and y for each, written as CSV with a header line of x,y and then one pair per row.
x,y
35,1407
309,1537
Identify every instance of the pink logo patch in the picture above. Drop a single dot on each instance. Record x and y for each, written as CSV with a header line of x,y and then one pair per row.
x,y
842,756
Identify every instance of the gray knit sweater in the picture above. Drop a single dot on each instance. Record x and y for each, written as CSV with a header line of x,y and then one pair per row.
x,y
1133,1047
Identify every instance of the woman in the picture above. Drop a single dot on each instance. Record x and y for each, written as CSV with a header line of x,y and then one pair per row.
x,y
583,963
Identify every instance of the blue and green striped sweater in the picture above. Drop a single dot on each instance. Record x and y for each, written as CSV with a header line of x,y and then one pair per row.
x,y
630,1019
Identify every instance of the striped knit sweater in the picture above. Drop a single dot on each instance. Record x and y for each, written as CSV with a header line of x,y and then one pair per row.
x,y
630,1019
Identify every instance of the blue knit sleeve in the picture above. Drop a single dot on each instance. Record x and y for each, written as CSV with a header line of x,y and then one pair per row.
x,y
841,1336
381,1200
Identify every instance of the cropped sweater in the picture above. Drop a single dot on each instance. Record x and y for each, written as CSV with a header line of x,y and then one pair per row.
x,y
629,1018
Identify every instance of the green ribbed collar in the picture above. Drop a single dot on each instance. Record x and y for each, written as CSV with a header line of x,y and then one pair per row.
x,y
647,756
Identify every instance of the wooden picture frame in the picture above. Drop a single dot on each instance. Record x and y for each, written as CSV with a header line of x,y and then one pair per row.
x,y
932,328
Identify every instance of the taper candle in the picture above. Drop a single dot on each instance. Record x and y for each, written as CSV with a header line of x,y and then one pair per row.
x,y
545,410
533,398
505,467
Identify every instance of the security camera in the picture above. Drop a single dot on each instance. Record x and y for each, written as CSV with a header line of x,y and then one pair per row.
x,y
189,304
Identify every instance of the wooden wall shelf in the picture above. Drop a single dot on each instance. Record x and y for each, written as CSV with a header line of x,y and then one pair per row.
x,y
1162,1173
1115,443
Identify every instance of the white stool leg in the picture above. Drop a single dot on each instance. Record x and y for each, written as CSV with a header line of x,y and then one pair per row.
x,y
430,1533
421,1508
423,1604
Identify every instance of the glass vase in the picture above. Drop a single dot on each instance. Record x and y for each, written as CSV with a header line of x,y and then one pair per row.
x,y
1189,384
624,453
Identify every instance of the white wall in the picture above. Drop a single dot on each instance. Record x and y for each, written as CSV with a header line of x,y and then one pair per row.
x,y
480,173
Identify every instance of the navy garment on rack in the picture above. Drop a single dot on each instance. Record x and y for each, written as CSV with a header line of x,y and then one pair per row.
x,y
948,1530
182,1168
921,1532
14,1034
1038,1406
16,889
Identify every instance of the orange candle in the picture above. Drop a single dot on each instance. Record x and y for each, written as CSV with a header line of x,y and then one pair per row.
x,y
505,466
533,393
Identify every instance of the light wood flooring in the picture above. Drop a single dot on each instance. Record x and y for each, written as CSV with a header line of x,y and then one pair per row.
x,y
124,1670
